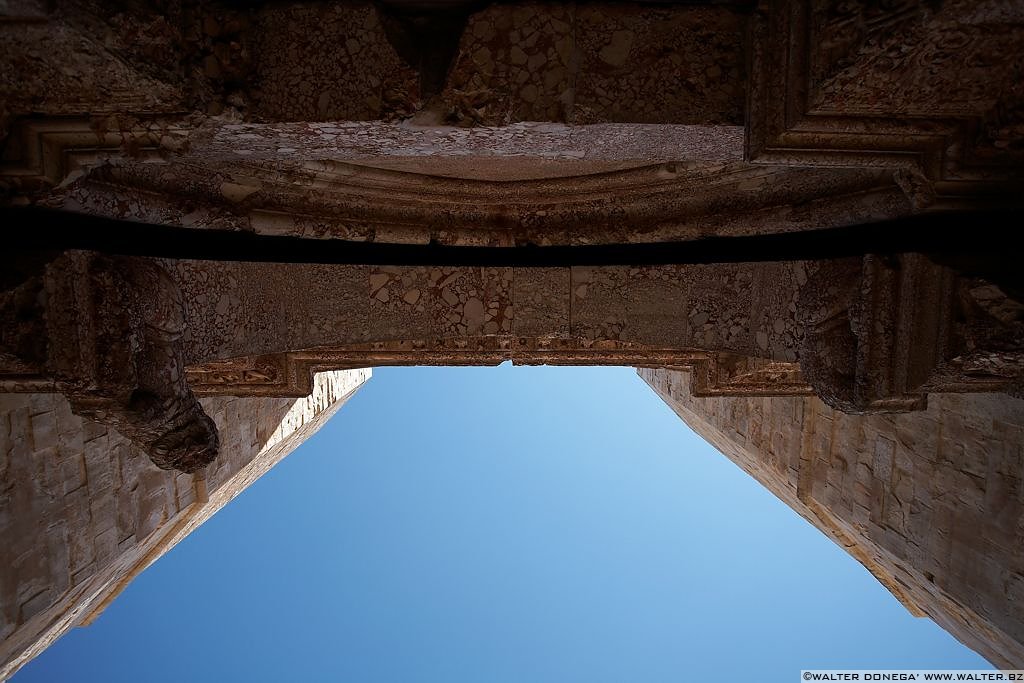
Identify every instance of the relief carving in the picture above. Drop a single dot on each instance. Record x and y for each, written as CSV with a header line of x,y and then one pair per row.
x,y
715,374
844,26
727,374
140,387
925,87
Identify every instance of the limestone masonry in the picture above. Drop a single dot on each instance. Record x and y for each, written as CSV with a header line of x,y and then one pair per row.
x,y
929,501
84,511
798,218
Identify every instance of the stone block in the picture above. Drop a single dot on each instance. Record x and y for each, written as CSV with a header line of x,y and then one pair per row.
x,y
541,302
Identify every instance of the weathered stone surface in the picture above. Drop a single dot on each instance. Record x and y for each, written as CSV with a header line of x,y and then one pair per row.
x,y
599,184
515,63
597,62
563,124
929,502
327,62
932,89
241,309
82,511
89,60
660,65
878,334
913,58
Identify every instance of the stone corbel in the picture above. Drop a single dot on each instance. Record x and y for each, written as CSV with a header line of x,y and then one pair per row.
x,y
873,330
105,332
882,332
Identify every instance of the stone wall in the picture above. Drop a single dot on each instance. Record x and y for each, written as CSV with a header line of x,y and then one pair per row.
x,y
82,512
930,502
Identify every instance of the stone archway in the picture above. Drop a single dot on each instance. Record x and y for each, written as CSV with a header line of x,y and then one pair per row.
x,y
635,128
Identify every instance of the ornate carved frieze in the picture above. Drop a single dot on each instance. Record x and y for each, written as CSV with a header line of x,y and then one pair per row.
x,y
290,374
725,374
870,334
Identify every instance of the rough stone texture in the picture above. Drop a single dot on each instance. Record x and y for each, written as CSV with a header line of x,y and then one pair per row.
x,y
598,62
869,333
82,58
660,65
563,123
241,309
295,61
82,512
871,61
931,88
137,383
514,64
929,502
879,338
327,62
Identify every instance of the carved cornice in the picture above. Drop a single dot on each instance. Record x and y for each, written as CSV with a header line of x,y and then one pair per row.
x,y
656,203
169,172
291,374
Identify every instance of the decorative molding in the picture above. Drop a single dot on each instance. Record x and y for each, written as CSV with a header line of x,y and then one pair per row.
x,y
725,374
938,152
290,374
881,332
41,153
340,200
166,172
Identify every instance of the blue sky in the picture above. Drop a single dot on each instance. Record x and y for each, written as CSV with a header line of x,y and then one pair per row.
x,y
501,524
